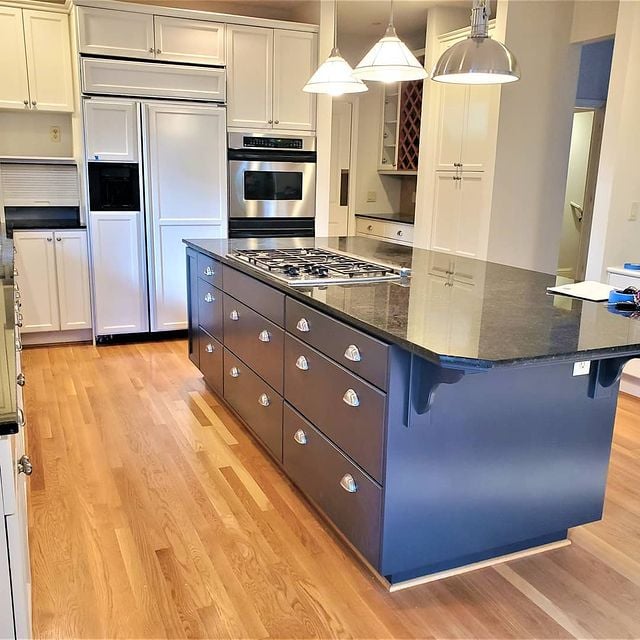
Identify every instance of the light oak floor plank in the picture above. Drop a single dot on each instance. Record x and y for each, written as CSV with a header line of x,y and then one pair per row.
x,y
153,514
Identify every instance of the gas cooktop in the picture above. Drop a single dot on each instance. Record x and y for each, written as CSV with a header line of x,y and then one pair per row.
x,y
300,267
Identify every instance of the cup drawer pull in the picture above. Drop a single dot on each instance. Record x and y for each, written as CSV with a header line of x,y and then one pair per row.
x,y
209,348
352,353
264,336
234,315
264,400
348,483
234,372
209,272
303,325
209,298
350,397
302,363
300,437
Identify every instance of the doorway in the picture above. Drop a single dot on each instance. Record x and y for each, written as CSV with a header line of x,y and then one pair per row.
x,y
341,160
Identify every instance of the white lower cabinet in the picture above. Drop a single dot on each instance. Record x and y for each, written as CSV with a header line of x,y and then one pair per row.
x,y
117,248
397,232
53,275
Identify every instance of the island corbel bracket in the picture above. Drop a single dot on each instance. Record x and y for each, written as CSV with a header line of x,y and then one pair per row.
x,y
605,374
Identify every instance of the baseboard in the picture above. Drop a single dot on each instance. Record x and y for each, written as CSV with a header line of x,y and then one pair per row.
x,y
42,338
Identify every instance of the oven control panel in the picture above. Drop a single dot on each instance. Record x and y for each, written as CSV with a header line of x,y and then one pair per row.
x,y
271,143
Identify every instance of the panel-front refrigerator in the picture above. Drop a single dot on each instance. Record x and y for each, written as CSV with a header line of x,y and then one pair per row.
x,y
156,174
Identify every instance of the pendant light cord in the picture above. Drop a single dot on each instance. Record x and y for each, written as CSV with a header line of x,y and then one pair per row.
x,y
335,24
480,19
391,14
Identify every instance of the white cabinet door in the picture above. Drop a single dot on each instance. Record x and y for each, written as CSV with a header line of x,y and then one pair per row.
x,y
111,130
446,209
186,196
119,272
36,265
107,32
14,88
46,37
482,104
473,217
72,268
184,40
249,77
453,105
295,58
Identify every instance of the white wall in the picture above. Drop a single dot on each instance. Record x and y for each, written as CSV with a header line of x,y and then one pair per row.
x,y
614,238
28,134
594,20
534,134
576,182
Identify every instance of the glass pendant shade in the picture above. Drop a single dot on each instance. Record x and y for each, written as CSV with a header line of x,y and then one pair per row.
x,y
477,61
334,77
390,60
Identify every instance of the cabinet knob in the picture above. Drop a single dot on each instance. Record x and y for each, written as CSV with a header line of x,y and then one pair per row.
x,y
350,398
399,233
21,419
25,466
58,238
264,336
209,348
370,227
300,437
26,103
208,297
33,103
302,363
151,49
20,379
303,325
234,315
264,400
209,272
234,372
158,51
49,239
276,122
348,483
18,344
270,121
352,353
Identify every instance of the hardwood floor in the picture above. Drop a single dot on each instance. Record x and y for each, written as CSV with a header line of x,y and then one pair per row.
x,y
153,514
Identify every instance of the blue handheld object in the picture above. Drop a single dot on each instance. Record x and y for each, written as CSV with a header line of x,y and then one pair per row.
x,y
633,266
617,296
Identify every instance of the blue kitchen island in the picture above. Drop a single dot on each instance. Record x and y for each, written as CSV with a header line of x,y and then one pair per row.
x,y
439,421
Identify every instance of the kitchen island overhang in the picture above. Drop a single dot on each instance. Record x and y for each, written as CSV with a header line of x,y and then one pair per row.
x,y
482,455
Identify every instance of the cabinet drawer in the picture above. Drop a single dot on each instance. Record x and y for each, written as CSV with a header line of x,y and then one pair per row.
x,y
348,410
255,402
351,348
318,468
261,297
370,227
255,340
210,270
395,231
211,360
210,309
398,232
619,281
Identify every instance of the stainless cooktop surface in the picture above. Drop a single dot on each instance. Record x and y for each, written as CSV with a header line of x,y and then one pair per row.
x,y
310,267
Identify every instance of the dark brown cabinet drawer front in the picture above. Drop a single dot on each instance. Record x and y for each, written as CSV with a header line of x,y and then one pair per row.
x,y
256,340
256,402
210,309
322,393
351,348
266,300
318,468
211,360
210,270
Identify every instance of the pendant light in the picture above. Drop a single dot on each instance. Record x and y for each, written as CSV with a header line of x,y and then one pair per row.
x,y
390,60
479,59
334,76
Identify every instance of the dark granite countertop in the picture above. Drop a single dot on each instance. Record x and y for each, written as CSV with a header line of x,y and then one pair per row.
x,y
456,310
405,218
8,410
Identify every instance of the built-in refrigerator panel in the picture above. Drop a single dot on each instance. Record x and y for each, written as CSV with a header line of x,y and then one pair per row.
x,y
185,166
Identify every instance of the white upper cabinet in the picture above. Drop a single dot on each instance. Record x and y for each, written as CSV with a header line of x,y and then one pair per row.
x,y
111,130
249,77
107,32
453,104
294,60
35,60
481,107
46,37
267,69
193,41
14,88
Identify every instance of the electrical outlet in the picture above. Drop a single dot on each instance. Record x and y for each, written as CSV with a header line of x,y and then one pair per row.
x,y
54,134
634,212
372,196
581,368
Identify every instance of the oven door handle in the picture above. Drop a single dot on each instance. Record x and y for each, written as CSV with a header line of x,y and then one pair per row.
x,y
272,156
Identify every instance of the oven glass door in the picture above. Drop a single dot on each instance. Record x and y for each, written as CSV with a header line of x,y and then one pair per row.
x,y
259,189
